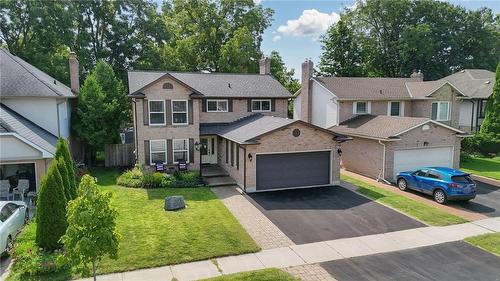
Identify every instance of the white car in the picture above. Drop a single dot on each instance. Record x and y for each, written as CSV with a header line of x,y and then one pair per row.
x,y
13,215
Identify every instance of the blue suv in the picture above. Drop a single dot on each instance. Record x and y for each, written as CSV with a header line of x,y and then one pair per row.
x,y
442,183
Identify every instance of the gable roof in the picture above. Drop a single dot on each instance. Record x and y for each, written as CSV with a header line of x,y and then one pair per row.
x,y
21,79
13,122
247,129
383,127
366,88
224,85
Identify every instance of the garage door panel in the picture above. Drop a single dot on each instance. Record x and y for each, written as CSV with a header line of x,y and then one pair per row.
x,y
412,159
287,170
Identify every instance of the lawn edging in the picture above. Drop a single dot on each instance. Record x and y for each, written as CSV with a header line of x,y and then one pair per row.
x,y
490,181
269,274
427,214
489,242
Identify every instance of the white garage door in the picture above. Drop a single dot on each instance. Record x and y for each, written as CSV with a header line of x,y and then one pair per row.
x,y
413,159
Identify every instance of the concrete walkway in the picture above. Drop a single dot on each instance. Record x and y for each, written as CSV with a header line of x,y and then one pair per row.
x,y
465,214
295,256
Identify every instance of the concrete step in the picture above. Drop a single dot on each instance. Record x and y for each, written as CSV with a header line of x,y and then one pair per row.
x,y
219,181
210,173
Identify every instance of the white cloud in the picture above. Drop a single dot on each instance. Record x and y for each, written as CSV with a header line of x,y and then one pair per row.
x,y
310,23
257,1
276,38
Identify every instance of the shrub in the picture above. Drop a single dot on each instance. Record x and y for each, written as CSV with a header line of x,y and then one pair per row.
x,y
465,157
62,151
186,179
61,167
131,178
51,210
153,180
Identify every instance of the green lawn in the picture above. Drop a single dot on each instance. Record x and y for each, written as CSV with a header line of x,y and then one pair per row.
x,y
421,211
486,167
152,237
271,274
489,242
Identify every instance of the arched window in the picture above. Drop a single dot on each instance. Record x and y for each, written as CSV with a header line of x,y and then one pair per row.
x,y
168,86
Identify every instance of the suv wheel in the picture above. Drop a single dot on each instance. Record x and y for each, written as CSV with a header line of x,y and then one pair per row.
x,y
402,184
440,196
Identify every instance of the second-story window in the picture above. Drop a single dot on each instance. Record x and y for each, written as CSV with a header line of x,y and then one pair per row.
x,y
261,105
440,111
217,106
157,112
179,112
361,107
395,108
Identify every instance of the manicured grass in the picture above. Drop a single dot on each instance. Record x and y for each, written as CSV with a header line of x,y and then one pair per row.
x,y
151,237
489,242
486,167
418,210
271,274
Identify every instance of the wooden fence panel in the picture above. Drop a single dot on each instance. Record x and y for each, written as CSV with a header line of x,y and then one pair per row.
x,y
119,155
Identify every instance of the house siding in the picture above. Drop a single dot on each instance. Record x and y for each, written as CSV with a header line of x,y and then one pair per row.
x,y
363,156
233,171
240,110
377,108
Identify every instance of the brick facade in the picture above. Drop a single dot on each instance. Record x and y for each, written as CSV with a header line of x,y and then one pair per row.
x,y
240,110
378,107
423,108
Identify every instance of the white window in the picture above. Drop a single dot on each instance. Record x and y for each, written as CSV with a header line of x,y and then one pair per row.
x,y
179,112
180,150
158,151
440,111
395,108
261,105
216,105
157,112
361,107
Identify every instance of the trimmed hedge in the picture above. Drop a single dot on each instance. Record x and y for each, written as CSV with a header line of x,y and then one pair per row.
x,y
137,178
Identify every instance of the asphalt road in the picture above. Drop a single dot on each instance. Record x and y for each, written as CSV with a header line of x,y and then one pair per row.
x,y
327,213
487,200
452,261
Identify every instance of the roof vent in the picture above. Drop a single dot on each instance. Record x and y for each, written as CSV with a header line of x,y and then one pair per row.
x,y
229,85
54,81
487,82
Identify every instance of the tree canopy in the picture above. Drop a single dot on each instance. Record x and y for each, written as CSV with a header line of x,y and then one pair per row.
x,y
490,128
391,38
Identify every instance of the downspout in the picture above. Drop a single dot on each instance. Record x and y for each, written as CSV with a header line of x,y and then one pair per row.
x,y
135,131
382,177
244,168
472,116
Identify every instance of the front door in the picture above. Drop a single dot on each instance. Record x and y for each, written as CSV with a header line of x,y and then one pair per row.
x,y
209,150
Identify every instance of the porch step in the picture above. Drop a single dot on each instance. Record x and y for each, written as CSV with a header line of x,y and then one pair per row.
x,y
219,181
213,171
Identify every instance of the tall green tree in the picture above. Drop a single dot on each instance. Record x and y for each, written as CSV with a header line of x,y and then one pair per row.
x,y
51,209
63,170
490,128
62,151
91,232
282,74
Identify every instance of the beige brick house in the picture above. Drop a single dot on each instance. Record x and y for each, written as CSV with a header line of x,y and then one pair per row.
x,y
237,122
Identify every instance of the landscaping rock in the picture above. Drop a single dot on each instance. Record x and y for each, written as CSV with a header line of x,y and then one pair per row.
x,y
174,203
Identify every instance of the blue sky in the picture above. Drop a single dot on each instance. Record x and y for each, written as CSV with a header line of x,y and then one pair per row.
x,y
297,25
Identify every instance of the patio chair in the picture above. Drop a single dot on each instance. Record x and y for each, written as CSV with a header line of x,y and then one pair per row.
x,y
22,187
5,189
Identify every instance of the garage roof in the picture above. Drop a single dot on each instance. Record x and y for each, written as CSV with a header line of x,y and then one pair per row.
x,y
383,127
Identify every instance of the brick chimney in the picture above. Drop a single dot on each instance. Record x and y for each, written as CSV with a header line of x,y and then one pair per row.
x,y
74,72
418,75
306,91
265,66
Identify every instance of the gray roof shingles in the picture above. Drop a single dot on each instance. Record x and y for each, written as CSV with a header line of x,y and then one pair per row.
x,y
224,85
13,122
21,79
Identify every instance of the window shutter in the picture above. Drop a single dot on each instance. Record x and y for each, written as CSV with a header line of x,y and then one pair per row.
x,y
203,105
249,105
191,151
190,111
434,111
237,156
230,105
273,105
168,112
147,158
227,151
145,111
170,156
232,153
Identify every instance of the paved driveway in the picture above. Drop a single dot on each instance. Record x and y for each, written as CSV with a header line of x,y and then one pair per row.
x,y
487,201
450,261
327,213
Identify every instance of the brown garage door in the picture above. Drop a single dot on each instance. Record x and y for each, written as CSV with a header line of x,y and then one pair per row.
x,y
289,170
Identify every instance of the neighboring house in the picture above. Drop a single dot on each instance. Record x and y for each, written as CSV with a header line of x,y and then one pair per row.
x,y
457,100
240,122
35,109
382,145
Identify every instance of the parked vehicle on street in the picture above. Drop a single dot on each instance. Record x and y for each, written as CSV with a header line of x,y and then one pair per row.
x,y
13,215
442,183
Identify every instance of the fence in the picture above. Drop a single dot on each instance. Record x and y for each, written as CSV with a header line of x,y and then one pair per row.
x,y
119,155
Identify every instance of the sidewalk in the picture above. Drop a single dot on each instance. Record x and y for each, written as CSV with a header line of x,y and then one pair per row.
x,y
312,253
465,214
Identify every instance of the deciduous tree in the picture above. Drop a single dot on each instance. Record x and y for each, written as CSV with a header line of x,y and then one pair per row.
x,y
490,128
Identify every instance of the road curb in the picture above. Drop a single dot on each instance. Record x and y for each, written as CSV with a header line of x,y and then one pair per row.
x,y
489,181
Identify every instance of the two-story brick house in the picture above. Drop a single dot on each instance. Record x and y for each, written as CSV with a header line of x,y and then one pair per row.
x,y
237,121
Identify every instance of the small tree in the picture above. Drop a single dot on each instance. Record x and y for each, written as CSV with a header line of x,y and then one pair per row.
x,y
63,170
51,209
91,230
489,135
62,150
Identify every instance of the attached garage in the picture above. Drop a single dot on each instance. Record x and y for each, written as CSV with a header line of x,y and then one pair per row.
x,y
382,146
292,170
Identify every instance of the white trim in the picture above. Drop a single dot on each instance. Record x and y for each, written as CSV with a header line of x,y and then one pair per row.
x,y
368,107
45,153
173,150
430,121
321,85
401,108
297,151
408,90
260,100
164,114
187,110
28,162
437,110
164,151
218,100
368,137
